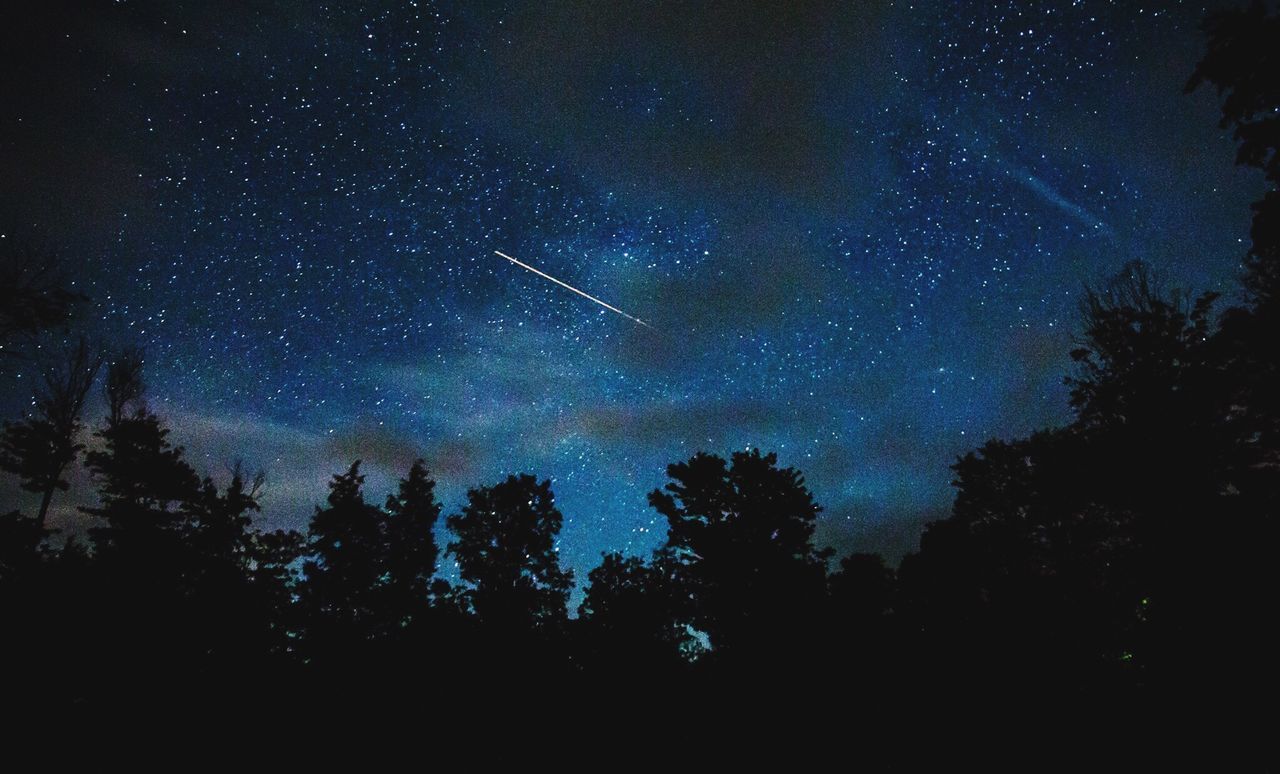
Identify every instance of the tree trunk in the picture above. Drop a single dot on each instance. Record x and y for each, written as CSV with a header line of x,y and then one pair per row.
x,y
45,500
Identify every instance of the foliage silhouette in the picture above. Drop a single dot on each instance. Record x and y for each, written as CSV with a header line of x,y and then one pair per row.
x,y
740,550
368,573
33,299
39,449
180,596
143,481
412,513
505,548
1241,63
629,622
341,591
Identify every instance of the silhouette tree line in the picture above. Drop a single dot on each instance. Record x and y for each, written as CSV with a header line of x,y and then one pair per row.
x,y
1126,554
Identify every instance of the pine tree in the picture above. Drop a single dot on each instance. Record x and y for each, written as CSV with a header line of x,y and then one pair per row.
x,y
411,551
341,592
143,481
240,577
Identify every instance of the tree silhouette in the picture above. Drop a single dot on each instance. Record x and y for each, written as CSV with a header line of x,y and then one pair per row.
x,y
858,639
39,448
272,573
32,297
863,589
1144,355
239,577
341,591
1241,63
629,618
369,572
142,480
740,546
505,548
1106,548
1177,442
182,590
20,538
1019,587
411,546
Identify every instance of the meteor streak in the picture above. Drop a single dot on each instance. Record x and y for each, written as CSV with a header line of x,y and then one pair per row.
x,y
575,290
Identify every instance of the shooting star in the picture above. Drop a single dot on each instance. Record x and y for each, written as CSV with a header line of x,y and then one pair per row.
x,y
575,290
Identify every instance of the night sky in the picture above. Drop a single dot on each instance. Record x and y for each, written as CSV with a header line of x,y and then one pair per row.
x,y
860,229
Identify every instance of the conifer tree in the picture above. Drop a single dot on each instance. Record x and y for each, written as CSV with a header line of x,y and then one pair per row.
x,y
411,552
343,577
143,481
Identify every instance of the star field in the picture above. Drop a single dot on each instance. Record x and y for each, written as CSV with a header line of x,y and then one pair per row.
x,y
861,231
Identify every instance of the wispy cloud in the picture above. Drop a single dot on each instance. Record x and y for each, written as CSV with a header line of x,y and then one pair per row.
x,y
1054,197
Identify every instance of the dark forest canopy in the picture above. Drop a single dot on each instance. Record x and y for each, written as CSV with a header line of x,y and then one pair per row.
x,y
1125,554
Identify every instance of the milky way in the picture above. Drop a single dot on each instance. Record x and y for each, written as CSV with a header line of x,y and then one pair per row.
x,y
863,229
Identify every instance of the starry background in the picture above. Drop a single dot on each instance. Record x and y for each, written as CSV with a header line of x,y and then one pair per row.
x,y
861,229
